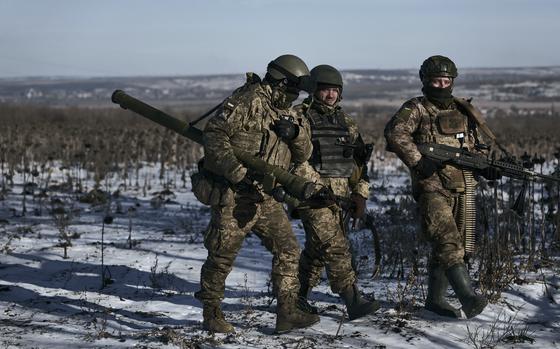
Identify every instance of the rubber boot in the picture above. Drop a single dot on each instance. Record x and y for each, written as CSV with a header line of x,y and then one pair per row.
x,y
302,302
289,316
437,287
356,306
460,280
213,319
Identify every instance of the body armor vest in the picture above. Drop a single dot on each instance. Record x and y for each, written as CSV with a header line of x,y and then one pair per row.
x,y
333,155
449,127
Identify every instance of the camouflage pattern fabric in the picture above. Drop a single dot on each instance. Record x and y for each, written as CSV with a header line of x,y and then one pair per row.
x,y
439,227
419,121
228,227
246,121
326,244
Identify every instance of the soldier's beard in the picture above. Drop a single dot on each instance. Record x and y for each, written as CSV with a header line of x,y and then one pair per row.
x,y
283,98
441,97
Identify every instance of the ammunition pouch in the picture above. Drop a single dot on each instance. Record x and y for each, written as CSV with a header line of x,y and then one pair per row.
x,y
451,122
452,178
209,188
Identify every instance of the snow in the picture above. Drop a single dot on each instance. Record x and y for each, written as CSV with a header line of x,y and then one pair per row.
x,y
47,301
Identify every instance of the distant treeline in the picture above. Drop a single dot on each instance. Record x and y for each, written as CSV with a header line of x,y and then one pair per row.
x,y
114,136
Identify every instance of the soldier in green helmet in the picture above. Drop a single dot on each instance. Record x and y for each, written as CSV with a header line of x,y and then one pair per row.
x,y
335,165
257,118
441,190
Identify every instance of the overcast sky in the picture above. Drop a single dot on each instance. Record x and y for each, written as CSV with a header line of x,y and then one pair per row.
x,y
172,37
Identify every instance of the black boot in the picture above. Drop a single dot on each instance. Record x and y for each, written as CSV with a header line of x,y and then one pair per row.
x,y
302,302
356,306
437,287
460,280
289,316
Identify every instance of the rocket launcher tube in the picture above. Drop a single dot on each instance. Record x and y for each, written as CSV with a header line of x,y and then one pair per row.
x,y
296,186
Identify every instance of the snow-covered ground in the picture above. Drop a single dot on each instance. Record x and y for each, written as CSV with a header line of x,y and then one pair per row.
x,y
47,301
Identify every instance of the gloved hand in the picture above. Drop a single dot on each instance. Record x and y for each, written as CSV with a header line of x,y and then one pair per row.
x,y
491,173
286,129
359,206
426,167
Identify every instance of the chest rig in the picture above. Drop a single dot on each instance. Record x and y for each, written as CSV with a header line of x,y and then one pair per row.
x,y
449,127
333,155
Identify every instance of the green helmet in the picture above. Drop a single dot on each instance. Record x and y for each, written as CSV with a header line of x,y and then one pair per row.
x,y
436,66
326,75
292,68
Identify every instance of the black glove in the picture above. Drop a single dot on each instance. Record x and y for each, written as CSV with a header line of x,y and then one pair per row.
x,y
286,129
491,173
358,206
426,167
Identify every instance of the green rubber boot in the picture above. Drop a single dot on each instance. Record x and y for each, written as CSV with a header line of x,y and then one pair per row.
x,y
437,287
460,280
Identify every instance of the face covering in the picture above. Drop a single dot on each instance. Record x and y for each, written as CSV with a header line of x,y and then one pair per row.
x,y
283,97
441,97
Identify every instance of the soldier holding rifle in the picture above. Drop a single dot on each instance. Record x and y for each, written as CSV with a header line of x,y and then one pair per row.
x,y
444,192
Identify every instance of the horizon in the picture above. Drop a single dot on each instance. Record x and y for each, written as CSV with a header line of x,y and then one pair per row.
x,y
414,70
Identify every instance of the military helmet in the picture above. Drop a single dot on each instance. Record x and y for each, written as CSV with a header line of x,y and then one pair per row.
x,y
327,75
287,67
436,66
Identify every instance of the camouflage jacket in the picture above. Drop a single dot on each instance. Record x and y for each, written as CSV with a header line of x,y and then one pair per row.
x,y
245,121
419,121
340,186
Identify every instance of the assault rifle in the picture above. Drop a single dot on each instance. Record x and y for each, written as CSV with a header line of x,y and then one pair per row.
x,y
463,158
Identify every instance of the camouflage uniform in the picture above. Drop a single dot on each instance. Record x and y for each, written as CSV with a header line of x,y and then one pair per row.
x,y
326,243
246,121
419,121
443,192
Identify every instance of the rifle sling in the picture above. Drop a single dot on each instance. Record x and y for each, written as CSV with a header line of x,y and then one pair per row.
x,y
477,117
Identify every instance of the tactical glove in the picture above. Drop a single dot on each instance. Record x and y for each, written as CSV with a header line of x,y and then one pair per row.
x,y
491,173
286,129
426,167
358,206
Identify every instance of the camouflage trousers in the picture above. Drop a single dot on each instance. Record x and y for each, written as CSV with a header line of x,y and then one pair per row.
x,y
325,246
439,227
224,237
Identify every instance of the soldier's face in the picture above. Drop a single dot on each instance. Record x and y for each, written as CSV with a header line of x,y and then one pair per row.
x,y
328,95
441,82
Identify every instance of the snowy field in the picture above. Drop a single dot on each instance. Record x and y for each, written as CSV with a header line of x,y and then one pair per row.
x,y
152,255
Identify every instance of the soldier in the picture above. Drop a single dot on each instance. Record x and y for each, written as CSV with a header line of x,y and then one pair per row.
x,y
438,117
257,118
335,137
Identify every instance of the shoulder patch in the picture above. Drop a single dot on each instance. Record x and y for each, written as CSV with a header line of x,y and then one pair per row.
x,y
404,113
229,104
227,108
